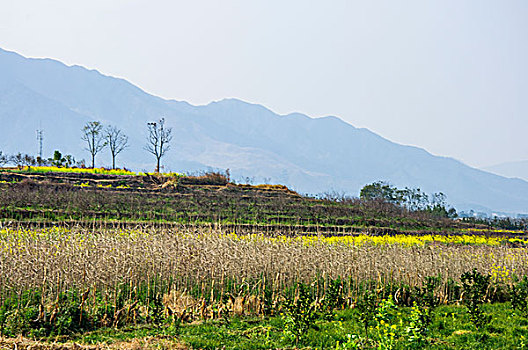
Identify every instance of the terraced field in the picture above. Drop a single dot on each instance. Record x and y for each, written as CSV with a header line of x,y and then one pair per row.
x,y
209,199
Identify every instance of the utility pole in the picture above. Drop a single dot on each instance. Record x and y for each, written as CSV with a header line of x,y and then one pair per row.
x,y
39,140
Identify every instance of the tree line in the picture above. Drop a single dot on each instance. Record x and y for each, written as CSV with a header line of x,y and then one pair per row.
x,y
413,199
97,138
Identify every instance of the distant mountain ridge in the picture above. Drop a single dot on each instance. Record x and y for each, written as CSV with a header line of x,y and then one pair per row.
x,y
311,155
510,169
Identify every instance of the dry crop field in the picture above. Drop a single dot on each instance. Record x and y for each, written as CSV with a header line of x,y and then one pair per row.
x,y
57,259
58,280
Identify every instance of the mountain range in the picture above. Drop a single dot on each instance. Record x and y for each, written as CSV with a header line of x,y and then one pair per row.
x,y
310,155
510,169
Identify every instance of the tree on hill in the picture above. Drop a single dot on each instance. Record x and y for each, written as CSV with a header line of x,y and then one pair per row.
x,y
116,140
4,159
381,190
158,140
413,199
29,160
17,159
93,137
59,161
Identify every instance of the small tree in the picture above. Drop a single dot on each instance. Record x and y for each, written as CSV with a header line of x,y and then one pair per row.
x,y
41,161
57,159
28,160
69,160
17,159
94,139
4,159
380,190
116,140
158,140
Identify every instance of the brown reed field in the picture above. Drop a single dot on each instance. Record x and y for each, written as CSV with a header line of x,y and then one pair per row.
x,y
209,262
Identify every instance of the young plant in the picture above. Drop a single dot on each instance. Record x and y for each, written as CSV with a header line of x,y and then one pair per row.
x,y
426,294
475,287
333,298
519,296
300,314
416,331
367,309
422,311
387,330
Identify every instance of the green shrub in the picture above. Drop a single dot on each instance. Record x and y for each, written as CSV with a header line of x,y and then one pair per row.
x,y
419,322
299,314
519,295
333,298
387,330
475,287
367,309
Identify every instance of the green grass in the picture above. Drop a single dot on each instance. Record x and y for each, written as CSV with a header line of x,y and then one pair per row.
x,y
450,329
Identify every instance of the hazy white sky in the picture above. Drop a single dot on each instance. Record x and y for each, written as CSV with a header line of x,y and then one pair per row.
x,y
448,76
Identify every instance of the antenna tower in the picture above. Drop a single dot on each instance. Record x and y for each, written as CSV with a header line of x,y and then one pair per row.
x,y
39,140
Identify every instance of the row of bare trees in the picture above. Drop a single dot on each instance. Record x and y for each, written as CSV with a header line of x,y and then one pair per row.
x,y
97,138
58,160
17,159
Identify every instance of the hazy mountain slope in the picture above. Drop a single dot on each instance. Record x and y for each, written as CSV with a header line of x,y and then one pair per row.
x,y
22,111
310,155
510,169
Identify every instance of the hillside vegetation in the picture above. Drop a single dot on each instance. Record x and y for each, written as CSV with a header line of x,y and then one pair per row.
x,y
33,196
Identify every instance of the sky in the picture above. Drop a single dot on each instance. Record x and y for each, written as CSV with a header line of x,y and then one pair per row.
x,y
449,76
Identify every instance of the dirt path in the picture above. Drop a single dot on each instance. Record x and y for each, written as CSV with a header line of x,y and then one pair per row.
x,y
21,343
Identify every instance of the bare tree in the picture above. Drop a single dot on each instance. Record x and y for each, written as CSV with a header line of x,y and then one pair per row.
x,y
17,159
94,138
28,160
4,159
116,140
158,140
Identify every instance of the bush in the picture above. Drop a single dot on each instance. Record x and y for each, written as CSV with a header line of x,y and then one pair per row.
x,y
367,309
210,178
519,296
300,314
475,287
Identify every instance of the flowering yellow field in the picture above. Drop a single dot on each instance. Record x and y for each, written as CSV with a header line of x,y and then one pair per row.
x,y
19,236
54,169
400,239
99,171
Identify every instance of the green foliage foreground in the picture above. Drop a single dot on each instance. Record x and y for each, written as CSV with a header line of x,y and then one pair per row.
x,y
303,318
450,328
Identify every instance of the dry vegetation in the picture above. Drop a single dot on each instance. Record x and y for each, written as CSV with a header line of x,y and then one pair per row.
x,y
169,286
202,263
76,198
